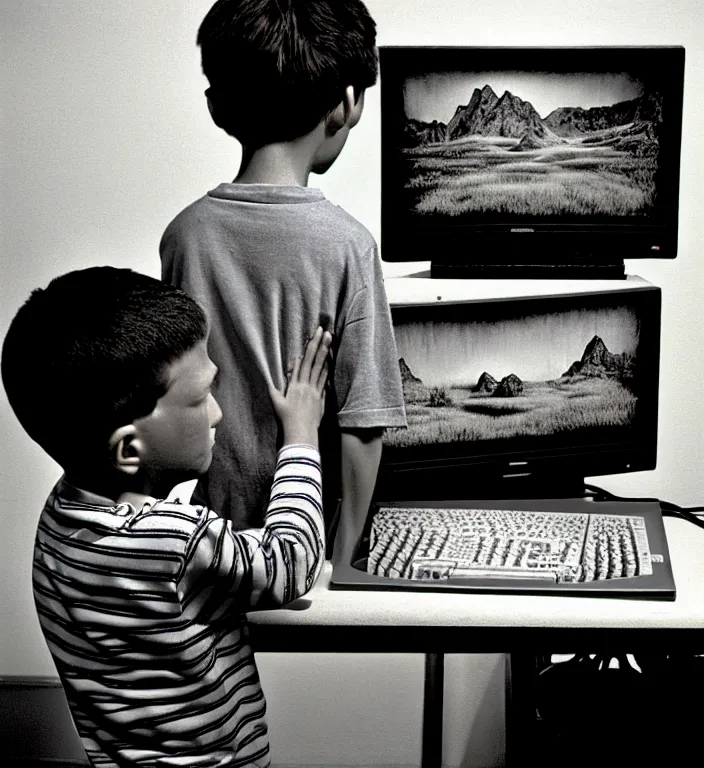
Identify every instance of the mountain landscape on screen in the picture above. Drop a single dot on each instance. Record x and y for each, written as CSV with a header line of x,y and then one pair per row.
x,y
593,394
497,155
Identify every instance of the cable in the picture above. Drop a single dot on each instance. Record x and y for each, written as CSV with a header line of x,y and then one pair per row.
x,y
668,508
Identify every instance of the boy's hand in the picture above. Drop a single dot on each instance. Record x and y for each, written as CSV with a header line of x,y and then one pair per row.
x,y
300,408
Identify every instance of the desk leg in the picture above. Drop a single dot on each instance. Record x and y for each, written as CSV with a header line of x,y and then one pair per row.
x,y
433,692
521,726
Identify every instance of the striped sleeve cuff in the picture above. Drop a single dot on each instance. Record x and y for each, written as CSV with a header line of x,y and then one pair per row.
x,y
293,450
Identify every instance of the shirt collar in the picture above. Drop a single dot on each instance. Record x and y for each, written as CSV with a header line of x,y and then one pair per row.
x,y
267,193
84,508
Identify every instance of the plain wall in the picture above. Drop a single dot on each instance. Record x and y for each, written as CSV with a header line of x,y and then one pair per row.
x,y
105,136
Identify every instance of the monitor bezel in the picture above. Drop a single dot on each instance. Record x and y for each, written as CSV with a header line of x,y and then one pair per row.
x,y
529,240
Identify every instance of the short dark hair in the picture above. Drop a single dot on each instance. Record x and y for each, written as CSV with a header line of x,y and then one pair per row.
x,y
276,68
89,353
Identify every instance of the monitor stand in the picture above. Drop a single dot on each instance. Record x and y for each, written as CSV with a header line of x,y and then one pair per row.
x,y
448,484
572,270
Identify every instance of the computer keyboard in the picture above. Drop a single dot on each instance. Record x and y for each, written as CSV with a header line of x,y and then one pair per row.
x,y
425,544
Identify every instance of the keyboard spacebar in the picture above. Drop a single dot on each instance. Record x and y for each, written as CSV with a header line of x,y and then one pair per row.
x,y
504,573
425,569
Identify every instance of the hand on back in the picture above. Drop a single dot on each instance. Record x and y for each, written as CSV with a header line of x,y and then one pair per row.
x,y
300,407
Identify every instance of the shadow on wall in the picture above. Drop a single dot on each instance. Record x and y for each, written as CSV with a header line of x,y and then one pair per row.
x,y
37,729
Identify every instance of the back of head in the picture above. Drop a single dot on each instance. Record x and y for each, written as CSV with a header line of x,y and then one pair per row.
x,y
277,67
89,353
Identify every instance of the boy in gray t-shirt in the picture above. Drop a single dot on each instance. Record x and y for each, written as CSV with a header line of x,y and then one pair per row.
x,y
268,256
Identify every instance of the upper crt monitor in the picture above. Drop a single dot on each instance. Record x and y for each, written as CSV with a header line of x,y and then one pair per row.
x,y
530,162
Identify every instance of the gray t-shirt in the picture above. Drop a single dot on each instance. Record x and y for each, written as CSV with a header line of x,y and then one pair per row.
x,y
266,262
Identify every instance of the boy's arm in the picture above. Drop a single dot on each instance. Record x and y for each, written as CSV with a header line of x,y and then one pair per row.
x,y
272,565
282,560
369,394
360,454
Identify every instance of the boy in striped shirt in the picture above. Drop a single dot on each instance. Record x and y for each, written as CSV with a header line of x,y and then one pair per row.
x,y
141,598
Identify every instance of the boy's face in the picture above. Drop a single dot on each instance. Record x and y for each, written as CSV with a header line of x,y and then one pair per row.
x,y
177,436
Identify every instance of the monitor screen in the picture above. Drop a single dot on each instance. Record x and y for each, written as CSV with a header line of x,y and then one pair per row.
x,y
530,155
537,393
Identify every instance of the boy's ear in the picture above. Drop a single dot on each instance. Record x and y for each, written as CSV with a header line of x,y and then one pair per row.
x,y
126,449
211,108
346,113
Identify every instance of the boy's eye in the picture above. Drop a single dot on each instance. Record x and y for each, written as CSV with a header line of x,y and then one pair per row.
x,y
202,398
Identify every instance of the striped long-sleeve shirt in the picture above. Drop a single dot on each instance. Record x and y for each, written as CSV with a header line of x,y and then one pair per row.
x,y
143,612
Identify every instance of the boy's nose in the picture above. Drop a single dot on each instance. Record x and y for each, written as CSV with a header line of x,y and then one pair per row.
x,y
215,412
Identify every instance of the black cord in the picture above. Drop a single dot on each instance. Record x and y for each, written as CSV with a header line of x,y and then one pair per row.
x,y
668,508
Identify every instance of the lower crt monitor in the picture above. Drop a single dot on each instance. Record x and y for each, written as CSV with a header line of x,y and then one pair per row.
x,y
524,397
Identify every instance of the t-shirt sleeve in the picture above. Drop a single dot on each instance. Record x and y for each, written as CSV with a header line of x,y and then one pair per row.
x,y
264,567
172,261
181,262
367,375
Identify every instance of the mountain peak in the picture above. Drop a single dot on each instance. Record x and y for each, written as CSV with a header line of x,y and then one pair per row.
x,y
596,360
488,115
468,119
576,121
595,351
406,373
486,383
507,96
509,386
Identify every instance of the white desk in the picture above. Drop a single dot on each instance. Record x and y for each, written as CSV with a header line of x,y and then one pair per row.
x,y
435,623
429,622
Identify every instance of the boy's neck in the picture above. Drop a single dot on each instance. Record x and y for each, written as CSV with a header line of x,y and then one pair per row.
x,y
119,487
136,499
102,483
286,164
